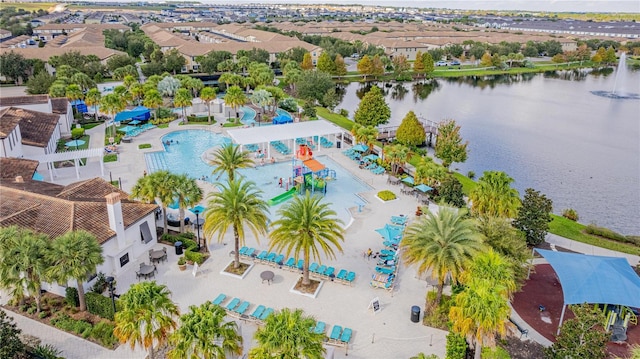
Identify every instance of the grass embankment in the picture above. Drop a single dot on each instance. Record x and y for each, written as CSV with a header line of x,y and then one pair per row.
x,y
339,120
31,6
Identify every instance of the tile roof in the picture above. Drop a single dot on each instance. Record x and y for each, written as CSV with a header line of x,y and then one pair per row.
x,y
36,53
77,206
10,168
23,100
36,127
59,105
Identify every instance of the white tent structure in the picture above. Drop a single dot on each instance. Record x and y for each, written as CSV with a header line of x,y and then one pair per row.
x,y
263,136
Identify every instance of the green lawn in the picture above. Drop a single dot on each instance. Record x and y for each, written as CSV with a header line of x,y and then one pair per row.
x,y
335,118
574,230
89,126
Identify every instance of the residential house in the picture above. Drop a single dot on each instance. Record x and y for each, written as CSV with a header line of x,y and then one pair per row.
x,y
27,133
43,103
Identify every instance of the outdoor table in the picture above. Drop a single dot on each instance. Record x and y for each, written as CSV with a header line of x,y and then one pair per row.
x,y
267,275
158,255
147,270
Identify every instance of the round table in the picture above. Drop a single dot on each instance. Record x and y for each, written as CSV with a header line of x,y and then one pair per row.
x,y
267,275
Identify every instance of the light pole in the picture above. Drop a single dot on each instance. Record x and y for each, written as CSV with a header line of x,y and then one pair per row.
x,y
110,281
197,212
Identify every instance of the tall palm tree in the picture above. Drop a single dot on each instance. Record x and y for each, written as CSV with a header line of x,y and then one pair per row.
x,y
229,78
286,335
238,205
481,312
228,159
183,99
365,134
73,92
187,193
397,155
235,98
153,100
92,98
207,95
137,92
491,266
23,262
309,226
75,255
442,243
146,316
111,104
157,185
203,333
494,196
83,80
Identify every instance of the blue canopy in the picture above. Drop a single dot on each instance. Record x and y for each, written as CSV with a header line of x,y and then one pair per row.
x,y
595,279
370,157
140,113
423,188
408,180
360,148
278,120
390,232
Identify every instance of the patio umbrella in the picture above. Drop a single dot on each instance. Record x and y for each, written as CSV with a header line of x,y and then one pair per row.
x,y
75,143
197,209
360,148
423,188
408,180
390,232
370,157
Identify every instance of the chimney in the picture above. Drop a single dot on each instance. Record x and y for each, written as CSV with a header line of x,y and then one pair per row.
x,y
116,222
19,179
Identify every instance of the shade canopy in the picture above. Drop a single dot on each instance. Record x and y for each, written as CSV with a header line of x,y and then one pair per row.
x,y
423,188
140,113
595,279
126,129
360,148
282,119
266,134
390,232
314,165
408,180
370,157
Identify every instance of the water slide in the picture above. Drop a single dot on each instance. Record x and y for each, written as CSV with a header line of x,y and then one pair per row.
x,y
282,197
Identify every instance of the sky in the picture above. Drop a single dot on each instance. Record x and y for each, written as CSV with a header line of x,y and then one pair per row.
x,y
628,6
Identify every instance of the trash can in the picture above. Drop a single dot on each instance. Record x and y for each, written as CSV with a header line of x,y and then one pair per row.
x,y
415,314
338,144
178,246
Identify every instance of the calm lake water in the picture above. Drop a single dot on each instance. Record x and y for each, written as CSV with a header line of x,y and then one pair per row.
x,y
547,131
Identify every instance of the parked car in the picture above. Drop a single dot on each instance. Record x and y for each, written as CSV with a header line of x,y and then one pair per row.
x,y
455,63
442,63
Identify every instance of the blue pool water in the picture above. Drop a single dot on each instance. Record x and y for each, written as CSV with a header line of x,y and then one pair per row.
x,y
248,115
281,112
184,156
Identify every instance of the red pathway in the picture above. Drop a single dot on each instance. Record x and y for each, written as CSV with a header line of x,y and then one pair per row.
x,y
543,288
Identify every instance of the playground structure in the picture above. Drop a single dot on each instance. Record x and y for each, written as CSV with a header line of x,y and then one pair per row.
x,y
308,174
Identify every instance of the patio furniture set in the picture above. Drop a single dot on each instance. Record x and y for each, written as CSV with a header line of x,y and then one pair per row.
x,y
146,271
386,269
281,147
366,162
131,131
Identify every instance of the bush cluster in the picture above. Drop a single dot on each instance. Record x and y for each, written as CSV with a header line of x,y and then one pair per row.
x,y
99,305
142,146
71,297
571,214
101,331
609,234
77,132
195,257
192,118
162,120
386,195
171,238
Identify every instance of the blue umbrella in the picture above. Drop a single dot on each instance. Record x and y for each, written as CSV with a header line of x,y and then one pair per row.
x,y
408,180
423,188
360,148
197,209
390,232
370,157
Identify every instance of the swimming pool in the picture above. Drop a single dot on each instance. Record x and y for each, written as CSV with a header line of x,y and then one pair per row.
x,y
184,156
248,115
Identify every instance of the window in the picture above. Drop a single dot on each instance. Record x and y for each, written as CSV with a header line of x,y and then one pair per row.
x,y
145,233
124,260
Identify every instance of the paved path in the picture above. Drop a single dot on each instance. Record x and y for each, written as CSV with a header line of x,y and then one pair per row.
x,y
589,249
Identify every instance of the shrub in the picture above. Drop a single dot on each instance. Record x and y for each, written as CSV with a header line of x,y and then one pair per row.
x,y
100,305
289,104
112,157
571,214
195,257
609,234
495,353
344,112
142,146
31,310
77,132
456,346
165,113
189,245
182,261
192,118
103,332
471,174
71,297
386,195
46,351
43,314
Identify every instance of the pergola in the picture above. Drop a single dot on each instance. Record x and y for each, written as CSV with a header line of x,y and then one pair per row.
x,y
286,132
74,156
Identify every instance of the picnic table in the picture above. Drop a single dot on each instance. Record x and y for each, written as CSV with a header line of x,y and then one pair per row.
x,y
158,255
268,276
146,270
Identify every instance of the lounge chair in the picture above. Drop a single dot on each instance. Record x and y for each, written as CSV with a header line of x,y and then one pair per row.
x,y
270,257
342,275
346,335
233,304
242,308
257,312
262,255
219,299
267,312
322,269
320,328
329,272
243,250
300,264
388,252
313,267
279,259
291,263
351,277
385,270
335,333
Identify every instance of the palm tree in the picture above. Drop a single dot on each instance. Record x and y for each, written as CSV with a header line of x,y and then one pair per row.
x,y
207,95
157,185
480,311
23,262
75,255
137,92
146,316
187,193
228,159
493,196
229,78
93,98
238,205
111,104
397,155
73,92
286,335
442,243
182,99
203,333
235,98
83,80
153,100
494,268
365,134
309,226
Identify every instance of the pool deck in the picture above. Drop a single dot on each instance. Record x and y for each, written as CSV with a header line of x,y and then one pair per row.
x,y
387,334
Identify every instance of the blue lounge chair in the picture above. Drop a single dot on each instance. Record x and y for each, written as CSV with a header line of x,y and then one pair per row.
x,y
351,277
242,250
320,328
346,335
313,267
329,272
219,299
335,333
387,252
266,313
270,257
258,312
279,259
322,269
233,304
262,255
385,270
242,308
291,262
300,263
342,275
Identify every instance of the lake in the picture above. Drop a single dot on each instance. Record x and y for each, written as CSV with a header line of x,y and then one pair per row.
x,y
547,131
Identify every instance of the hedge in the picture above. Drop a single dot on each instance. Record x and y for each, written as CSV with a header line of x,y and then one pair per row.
x,y
386,195
71,296
195,257
100,305
77,132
